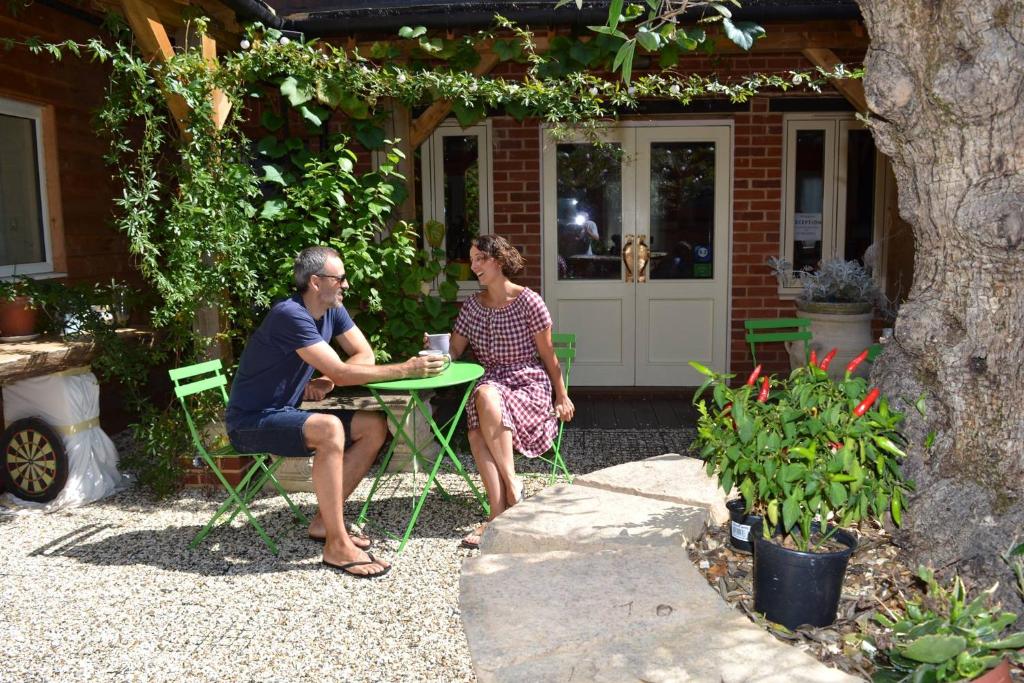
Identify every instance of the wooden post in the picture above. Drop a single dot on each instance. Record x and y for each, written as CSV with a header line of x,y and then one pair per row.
x,y
852,90
398,127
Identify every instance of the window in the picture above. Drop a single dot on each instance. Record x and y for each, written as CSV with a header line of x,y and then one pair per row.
x,y
832,204
24,210
456,191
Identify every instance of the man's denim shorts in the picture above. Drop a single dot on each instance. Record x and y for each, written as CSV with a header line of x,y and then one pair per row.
x,y
279,431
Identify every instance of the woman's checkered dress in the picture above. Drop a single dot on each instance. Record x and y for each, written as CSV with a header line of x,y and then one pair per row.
x,y
502,339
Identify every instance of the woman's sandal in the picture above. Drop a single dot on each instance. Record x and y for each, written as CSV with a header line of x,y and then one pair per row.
x,y
354,535
477,532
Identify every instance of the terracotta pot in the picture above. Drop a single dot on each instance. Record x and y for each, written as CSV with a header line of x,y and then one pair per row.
x,y
17,319
1000,674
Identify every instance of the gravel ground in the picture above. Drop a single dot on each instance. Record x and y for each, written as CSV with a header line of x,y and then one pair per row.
x,y
111,591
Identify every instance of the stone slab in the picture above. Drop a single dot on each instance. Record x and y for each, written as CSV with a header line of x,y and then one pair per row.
x,y
568,517
670,477
614,615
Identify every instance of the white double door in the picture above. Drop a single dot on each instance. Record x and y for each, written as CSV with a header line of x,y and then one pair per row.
x,y
636,251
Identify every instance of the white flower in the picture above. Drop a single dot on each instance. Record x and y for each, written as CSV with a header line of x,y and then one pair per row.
x,y
401,77
797,79
245,44
593,91
631,90
284,40
674,90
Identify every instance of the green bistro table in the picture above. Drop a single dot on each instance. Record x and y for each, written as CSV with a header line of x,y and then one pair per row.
x,y
456,374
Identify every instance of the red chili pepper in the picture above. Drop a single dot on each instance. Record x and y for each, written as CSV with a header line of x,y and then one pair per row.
x,y
827,360
753,376
762,395
863,406
833,446
814,359
856,361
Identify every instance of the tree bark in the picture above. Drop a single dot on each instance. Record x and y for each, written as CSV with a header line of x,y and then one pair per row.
x,y
945,91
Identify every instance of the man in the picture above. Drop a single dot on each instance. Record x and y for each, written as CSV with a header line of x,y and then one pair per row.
x,y
276,374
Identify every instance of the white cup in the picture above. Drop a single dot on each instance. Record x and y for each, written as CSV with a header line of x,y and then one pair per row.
x,y
435,352
439,342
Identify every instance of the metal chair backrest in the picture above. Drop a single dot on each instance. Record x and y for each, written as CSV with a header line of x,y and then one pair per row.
x,y
763,330
211,377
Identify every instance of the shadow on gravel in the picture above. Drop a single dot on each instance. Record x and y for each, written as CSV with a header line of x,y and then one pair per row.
x,y
238,549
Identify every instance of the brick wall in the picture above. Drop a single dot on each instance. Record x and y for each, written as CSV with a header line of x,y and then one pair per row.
x,y
757,209
516,154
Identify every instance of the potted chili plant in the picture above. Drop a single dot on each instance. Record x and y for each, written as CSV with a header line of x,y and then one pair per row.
x,y
943,637
811,455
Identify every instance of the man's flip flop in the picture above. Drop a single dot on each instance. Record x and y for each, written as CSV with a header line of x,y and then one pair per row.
x,y
345,568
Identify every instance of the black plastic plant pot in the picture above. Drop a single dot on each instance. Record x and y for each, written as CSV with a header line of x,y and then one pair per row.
x,y
741,526
793,588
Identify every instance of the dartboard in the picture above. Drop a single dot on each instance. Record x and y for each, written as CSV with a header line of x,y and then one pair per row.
x,y
35,463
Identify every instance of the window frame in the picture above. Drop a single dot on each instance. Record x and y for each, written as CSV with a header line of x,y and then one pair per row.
x,y
836,128
432,183
42,120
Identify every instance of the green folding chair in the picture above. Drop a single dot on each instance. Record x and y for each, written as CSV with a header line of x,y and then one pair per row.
x,y
565,352
208,376
765,330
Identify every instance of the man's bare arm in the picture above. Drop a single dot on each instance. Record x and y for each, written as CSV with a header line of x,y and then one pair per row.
x,y
326,360
355,346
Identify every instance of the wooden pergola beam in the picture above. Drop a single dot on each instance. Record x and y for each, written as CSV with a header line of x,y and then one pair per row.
x,y
156,45
851,89
428,121
221,103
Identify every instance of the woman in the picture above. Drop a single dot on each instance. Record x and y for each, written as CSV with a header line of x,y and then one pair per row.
x,y
509,328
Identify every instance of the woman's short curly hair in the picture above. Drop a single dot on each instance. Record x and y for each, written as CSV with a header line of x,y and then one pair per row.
x,y
498,248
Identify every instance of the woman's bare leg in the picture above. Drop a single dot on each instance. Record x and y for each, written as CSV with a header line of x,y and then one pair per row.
x,y
498,439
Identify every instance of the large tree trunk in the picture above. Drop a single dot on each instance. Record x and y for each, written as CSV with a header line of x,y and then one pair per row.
x,y
945,86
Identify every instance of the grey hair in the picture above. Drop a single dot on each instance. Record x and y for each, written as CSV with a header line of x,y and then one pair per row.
x,y
309,262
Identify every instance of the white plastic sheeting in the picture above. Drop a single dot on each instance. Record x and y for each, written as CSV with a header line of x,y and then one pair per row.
x,y
68,401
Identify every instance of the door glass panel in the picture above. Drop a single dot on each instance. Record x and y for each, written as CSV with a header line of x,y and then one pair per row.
x,y
809,191
21,214
461,194
589,197
682,230
860,194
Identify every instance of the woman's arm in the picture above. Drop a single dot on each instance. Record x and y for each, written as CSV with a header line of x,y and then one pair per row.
x,y
457,345
564,409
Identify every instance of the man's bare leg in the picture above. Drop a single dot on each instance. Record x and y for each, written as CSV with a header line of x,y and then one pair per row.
x,y
325,435
369,429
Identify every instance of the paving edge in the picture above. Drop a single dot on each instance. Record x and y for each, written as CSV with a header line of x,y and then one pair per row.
x,y
807,668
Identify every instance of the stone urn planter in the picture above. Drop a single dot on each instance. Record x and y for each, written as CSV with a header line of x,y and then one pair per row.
x,y
842,326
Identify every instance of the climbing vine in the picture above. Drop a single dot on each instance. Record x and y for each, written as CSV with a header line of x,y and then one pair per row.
x,y
214,214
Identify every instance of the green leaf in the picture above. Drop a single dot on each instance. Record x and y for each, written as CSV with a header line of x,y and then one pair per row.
x,y
296,93
466,115
935,648
837,494
920,405
609,31
614,13
271,120
624,57
310,116
721,9
930,439
517,110
412,32
669,56
648,40
273,208
448,290
354,106
743,33
369,135
790,511
339,199
701,369
508,49
1014,642
271,174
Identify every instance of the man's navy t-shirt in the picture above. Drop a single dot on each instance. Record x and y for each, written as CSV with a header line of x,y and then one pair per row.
x,y
271,375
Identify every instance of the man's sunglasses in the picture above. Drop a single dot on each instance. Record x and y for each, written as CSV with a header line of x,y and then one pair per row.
x,y
340,279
